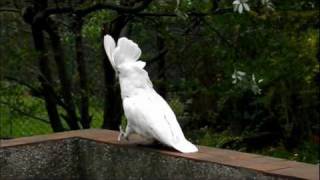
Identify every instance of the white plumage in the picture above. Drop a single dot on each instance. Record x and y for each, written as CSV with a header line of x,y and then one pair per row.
x,y
147,113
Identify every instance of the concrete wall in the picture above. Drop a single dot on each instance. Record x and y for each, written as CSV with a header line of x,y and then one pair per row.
x,y
96,154
101,161
49,160
85,159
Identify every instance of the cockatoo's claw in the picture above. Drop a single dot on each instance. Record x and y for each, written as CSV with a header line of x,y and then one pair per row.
x,y
120,129
121,133
119,137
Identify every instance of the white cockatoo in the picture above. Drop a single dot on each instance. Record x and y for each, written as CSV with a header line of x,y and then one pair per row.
x,y
147,113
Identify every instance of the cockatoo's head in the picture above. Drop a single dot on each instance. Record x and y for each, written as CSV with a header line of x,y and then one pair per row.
x,y
130,69
124,52
132,75
124,58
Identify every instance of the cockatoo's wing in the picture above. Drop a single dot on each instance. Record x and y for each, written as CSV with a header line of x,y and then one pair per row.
x,y
126,52
182,145
109,47
168,113
154,119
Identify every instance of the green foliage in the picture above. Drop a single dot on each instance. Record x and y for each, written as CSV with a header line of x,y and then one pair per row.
x,y
277,46
18,109
306,152
24,115
176,106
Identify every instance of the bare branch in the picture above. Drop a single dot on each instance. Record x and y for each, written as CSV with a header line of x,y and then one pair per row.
x,y
172,14
157,56
24,113
13,10
99,6
122,9
219,35
35,90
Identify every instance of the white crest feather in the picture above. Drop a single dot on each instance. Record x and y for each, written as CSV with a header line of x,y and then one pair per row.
x,y
109,46
126,51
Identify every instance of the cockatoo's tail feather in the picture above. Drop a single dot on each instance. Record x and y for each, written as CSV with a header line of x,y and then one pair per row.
x,y
185,147
129,48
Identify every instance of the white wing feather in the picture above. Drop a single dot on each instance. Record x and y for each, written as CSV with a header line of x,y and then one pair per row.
x,y
152,118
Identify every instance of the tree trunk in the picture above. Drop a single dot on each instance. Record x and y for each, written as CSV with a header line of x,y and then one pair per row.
x,y
45,78
85,117
46,81
71,118
317,77
112,99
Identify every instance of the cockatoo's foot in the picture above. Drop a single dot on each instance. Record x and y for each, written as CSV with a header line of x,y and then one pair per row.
x,y
122,133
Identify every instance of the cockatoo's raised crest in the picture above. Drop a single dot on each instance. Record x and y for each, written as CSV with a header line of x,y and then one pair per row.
x,y
109,46
148,114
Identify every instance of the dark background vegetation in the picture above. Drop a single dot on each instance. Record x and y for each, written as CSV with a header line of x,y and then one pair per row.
x,y
55,75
